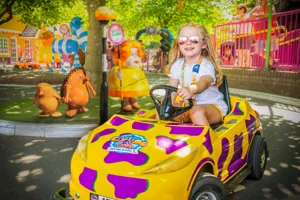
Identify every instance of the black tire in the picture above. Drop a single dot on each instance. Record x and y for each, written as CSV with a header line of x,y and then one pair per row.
x,y
30,67
207,186
16,67
257,157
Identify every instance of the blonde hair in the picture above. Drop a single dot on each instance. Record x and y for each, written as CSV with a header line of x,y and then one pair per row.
x,y
208,52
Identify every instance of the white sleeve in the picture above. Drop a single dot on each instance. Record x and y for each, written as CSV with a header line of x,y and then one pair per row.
x,y
207,68
175,70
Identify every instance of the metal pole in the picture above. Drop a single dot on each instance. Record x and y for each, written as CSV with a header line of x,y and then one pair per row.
x,y
269,35
104,86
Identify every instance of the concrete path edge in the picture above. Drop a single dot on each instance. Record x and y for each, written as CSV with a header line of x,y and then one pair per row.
x,y
78,130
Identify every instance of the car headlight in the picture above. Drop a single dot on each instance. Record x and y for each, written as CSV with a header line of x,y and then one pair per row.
x,y
81,147
179,160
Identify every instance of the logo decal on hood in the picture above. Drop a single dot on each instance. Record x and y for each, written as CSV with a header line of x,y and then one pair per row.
x,y
127,143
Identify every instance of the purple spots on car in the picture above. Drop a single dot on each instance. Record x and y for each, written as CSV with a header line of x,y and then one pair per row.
x,y
188,130
251,126
237,110
169,144
224,154
204,160
134,159
142,126
102,133
117,121
126,187
141,112
207,142
88,178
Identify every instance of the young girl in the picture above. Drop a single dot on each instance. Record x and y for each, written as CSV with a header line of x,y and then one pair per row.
x,y
193,65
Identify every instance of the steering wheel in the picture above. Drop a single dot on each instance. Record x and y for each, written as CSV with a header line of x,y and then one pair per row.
x,y
165,109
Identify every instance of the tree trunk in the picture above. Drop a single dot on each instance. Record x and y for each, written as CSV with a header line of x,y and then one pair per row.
x,y
93,57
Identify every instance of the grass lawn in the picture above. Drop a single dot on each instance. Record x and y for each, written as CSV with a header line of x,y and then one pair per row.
x,y
22,110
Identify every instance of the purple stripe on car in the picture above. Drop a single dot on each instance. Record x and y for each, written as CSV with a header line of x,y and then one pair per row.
x,y
169,144
142,126
134,159
88,178
102,133
236,160
126,187
204,160
251,126
117,121
207,142
224,154
191,131
237,110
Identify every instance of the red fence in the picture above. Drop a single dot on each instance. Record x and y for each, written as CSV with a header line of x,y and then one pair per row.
x,y
243,44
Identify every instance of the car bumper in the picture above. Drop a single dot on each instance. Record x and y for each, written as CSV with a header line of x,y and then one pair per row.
x,y
167,186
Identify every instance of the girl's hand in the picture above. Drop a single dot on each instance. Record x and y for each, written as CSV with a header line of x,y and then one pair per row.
x,y
185,93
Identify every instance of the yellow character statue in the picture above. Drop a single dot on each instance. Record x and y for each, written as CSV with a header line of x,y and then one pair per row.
x,y
126,79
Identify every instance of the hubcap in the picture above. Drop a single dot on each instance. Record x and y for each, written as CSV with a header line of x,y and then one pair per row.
x,y
206,196
262,159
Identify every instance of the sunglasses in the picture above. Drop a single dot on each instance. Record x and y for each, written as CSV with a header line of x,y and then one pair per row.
x,y
193,39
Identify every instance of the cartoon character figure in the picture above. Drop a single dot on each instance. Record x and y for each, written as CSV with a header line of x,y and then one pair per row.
x,y
75,91
47,99
126,79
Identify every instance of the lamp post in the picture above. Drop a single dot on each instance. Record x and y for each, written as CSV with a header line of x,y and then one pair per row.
x,y
104,15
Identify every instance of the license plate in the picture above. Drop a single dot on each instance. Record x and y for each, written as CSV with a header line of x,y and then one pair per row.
x,y
98,197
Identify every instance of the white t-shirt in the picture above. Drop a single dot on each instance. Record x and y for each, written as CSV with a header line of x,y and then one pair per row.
x,y
211,95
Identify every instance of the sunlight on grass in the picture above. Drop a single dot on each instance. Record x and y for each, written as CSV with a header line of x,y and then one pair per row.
x,y
28,111
30,188
64,179
116,105
86,117
13,113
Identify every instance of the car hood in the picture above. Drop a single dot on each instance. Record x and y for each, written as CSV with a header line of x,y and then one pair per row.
x,y
129,145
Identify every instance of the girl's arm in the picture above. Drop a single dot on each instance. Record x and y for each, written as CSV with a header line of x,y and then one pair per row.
x,y
173,82
188,92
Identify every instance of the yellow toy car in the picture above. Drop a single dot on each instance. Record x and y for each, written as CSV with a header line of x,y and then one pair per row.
x,y
139,157
26,65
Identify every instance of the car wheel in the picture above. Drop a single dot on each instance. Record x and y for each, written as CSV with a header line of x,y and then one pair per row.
x,y
29,67
209,187
16,67
257,157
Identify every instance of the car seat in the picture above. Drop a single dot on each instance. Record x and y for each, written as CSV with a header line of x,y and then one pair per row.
x,y
223,88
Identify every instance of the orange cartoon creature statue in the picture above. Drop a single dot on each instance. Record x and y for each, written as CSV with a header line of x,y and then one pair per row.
x,y
47,99
75,91
127,80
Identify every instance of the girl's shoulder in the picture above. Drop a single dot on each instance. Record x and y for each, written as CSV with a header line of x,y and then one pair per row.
x,y
179,61
207,63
